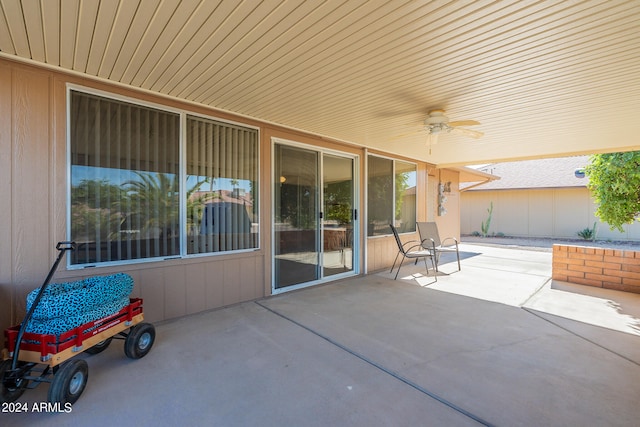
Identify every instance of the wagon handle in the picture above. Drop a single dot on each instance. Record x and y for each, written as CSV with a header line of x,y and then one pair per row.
x,y
66,246
62,247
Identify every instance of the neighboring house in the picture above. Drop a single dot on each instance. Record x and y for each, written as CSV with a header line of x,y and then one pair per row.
x,y
536,198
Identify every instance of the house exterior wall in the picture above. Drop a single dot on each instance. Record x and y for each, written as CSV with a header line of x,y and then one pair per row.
x,y
449,222
381,251
33,188
550,212
34,185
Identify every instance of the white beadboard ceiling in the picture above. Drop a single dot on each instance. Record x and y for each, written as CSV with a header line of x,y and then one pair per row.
x,y
544,78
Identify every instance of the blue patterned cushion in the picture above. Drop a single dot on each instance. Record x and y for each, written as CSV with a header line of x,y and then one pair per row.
x,y
77,298
59,325
65,306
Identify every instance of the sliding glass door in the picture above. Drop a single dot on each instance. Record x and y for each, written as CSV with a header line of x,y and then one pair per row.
x,y
296,233
338,215
314,216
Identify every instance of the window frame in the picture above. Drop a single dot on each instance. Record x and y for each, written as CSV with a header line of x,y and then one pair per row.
x,y
183,114
394,198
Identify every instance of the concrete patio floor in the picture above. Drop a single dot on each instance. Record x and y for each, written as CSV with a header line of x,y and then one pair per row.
x,y
497,343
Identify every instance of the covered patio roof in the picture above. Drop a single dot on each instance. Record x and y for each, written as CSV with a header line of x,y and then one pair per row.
x,y
544,79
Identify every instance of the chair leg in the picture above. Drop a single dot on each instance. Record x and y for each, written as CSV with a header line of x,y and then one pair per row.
x,y
399,266
394,262
435,267
425,264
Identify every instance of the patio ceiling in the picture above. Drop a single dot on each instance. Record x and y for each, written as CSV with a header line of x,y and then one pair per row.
x,y
544,78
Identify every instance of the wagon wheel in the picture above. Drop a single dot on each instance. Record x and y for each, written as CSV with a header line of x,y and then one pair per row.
x,y
139,340
69,382
10,394
99,347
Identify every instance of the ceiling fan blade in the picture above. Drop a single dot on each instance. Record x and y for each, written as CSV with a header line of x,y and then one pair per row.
x,y
463,123
467,132
404,135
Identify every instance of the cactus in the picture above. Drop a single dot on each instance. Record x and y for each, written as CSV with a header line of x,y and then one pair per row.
x,y
486,224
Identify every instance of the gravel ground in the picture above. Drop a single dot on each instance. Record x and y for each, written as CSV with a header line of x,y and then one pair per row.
x,y
546,244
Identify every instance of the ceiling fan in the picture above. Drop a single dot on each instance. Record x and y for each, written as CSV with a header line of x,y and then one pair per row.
x,y
437,122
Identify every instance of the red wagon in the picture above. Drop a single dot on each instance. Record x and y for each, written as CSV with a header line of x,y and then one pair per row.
x,y
50,358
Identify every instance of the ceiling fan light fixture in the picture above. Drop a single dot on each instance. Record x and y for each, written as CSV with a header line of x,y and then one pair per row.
x,y
437,128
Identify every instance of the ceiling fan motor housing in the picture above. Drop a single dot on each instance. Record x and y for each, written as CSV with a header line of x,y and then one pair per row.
x,y
436,122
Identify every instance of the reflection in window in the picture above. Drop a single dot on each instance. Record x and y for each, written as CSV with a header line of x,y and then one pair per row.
x,y
405,190
124,180
126,183
221,177
391,196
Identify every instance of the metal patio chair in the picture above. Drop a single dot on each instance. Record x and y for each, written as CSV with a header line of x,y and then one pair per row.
x,y
412,250
430,240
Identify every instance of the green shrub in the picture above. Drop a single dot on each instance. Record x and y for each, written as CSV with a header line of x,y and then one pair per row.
x,y
588,233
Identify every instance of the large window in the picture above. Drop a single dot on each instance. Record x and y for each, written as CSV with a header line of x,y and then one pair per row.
x,y
391,196
129,197
221,177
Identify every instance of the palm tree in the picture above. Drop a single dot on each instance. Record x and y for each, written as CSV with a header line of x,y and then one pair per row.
x,y
154,206
154,201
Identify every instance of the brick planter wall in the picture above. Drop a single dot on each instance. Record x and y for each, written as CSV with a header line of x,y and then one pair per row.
x,y
600,267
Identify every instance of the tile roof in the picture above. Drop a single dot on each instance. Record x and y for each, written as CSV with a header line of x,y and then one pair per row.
x,y
541,173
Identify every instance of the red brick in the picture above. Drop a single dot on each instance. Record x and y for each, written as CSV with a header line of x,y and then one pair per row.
x,y
591,257
613,258
559,266
629,267
573,261
603,277
631,281
620,273
568,273
598,264
630,261
585,269
560,277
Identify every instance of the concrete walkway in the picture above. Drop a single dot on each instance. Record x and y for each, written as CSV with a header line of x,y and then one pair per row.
x,y
497,343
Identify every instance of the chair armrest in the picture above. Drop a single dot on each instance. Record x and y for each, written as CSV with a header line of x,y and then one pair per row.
x,y
410,241
410,248
430,244
450,238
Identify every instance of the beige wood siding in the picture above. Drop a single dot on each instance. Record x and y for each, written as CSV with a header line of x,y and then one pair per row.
x,y
7,291
33,187
382,250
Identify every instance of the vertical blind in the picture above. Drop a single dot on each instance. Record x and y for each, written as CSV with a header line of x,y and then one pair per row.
x,y
391,195
124,180
222,176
